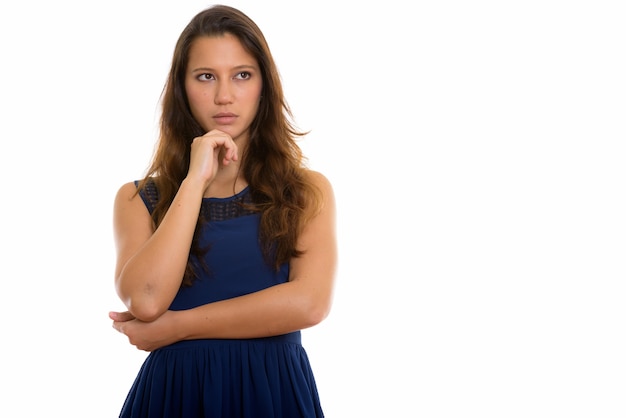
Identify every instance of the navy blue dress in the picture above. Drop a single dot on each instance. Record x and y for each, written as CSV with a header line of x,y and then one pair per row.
x,y
217,378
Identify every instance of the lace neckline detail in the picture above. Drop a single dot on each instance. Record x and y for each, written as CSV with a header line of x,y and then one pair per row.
x,y
225,208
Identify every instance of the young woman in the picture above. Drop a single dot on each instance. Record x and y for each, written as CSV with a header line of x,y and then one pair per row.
x,y
227,248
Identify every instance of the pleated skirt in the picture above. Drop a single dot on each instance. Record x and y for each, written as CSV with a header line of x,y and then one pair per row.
x,y
254,378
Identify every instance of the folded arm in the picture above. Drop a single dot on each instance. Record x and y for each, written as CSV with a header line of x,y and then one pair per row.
x,y
304,301
151,263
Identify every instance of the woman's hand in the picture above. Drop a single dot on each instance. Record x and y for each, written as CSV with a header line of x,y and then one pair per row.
x,y
146,336
207,151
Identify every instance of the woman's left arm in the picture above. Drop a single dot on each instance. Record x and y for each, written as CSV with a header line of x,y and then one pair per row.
x,y
302,302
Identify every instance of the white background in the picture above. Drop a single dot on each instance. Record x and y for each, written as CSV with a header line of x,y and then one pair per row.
x,y
477,154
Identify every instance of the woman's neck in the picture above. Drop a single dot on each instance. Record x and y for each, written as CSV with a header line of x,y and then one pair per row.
x,y
227,182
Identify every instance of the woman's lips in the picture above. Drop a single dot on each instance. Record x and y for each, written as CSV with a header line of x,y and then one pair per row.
x,y
225,118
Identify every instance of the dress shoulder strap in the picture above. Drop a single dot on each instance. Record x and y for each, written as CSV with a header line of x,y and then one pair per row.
x,y
149,195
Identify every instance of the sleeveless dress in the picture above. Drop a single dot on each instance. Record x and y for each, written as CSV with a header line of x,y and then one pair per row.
x,y
223,378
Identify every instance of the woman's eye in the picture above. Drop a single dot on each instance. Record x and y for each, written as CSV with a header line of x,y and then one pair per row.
x,y
243,75
205,76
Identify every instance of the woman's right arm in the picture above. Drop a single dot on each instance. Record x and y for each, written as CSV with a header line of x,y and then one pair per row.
x,y
151,263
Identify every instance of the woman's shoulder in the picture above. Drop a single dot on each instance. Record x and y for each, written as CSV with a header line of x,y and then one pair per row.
x,y
323,189
132,198
136,188
318,179
127,190
132,187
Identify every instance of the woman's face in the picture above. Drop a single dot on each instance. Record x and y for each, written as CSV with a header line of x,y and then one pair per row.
x,y
223,85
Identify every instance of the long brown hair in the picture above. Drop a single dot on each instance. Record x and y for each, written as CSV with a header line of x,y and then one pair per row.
x,y
273,164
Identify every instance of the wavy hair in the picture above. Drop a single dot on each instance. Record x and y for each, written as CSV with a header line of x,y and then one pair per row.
x,y
273,164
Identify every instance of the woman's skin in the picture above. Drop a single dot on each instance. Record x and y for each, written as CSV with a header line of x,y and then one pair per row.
x,y
223,86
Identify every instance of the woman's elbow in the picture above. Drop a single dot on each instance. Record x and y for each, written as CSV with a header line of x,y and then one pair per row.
x,y
146,312
317,310
142,306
